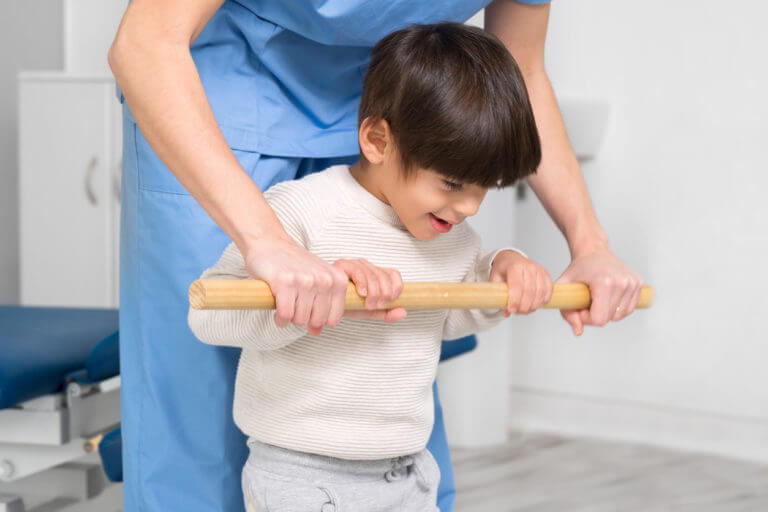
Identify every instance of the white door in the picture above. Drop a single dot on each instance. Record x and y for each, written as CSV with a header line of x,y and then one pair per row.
x,y
66,197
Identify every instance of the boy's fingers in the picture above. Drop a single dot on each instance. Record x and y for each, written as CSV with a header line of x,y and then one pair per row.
x,y
372,280
528,291
385,284
389,315
515,291
397,283
541,297
365,314
395,314
533,288
377,283
539,292
360,279
550,288
498,277
385,287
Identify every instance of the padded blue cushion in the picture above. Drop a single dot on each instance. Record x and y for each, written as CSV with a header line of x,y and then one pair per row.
x,y
111,452
39,346
104,360
457,347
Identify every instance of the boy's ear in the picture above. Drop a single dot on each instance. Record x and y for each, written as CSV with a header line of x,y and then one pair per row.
x,y
375,139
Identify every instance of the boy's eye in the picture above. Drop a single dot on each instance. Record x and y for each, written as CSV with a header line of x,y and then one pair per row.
x,y
450,185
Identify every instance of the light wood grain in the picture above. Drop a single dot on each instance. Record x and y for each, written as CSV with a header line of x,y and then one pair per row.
x,y
254,294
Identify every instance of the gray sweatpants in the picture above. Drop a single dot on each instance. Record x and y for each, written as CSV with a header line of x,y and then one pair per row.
x,y
280,480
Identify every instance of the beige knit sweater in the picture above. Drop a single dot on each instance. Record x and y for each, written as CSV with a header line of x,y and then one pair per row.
x,y
362,389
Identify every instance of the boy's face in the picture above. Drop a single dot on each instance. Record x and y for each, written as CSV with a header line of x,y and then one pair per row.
x,y
429,203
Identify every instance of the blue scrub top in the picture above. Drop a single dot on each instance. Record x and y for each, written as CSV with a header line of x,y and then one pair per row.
x,y
284,77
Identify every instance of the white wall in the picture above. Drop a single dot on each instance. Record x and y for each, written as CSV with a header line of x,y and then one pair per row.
x,y
89,28
679,185
73,35
30,38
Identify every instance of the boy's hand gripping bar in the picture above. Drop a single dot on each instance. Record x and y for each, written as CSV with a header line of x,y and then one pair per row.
x,y
253,294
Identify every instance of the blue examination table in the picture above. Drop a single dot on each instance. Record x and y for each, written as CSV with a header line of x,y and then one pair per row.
x,y
60,398
59,394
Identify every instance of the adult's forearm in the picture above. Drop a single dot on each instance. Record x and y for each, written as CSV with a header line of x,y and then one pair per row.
x,y
522,28
558,183
163,89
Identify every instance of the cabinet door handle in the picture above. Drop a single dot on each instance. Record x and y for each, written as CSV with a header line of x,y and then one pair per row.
x,y
116,177
89,181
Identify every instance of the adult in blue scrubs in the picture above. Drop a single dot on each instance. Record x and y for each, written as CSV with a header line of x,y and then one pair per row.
x,y
223,99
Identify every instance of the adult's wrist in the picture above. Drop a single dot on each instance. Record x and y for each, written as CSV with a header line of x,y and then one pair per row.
x,y
255,237
588,240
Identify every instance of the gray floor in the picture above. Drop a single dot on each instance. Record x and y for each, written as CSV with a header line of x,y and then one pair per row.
x,y
544,473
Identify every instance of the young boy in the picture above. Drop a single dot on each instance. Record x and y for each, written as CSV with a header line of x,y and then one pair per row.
x,y
340,420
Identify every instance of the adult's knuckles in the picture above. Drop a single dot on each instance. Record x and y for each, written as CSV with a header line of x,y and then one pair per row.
x,y
305,280
606,281
285,279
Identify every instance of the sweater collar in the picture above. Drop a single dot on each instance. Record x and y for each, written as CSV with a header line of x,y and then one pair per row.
x,y
364,198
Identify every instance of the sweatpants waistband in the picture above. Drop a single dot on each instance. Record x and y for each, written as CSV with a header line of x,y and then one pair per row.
x,y
284,461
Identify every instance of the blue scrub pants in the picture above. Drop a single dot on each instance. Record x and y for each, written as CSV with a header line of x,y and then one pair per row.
x,y
181,448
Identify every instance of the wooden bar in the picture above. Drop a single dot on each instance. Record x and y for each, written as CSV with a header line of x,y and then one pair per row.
x,y
254,294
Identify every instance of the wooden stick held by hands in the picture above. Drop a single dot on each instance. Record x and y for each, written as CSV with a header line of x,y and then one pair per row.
x,y
255,294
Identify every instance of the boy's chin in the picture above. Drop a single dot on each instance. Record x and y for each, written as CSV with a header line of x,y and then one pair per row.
x,y
425,233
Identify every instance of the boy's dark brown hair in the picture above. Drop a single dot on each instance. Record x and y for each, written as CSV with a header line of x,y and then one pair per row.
x,y
455,102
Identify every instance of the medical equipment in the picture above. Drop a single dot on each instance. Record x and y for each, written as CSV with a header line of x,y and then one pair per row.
x,y
59,388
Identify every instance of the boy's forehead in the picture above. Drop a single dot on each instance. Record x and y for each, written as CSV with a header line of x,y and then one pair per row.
x,y
443,176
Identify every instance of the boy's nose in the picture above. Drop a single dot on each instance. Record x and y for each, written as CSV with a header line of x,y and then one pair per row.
x,y
467,208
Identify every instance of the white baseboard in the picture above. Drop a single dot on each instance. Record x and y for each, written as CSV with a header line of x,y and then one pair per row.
x,y
679,429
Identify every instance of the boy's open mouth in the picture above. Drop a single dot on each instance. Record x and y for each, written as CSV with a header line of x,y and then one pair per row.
x,y
439,225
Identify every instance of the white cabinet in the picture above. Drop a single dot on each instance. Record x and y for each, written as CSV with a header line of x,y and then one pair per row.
x,y
69,189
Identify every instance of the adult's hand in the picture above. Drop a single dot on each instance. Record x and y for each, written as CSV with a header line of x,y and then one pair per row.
x,y
558,182
615,288
152,63
308,291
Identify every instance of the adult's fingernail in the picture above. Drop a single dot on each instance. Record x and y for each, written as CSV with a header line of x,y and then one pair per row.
x,y
363,292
